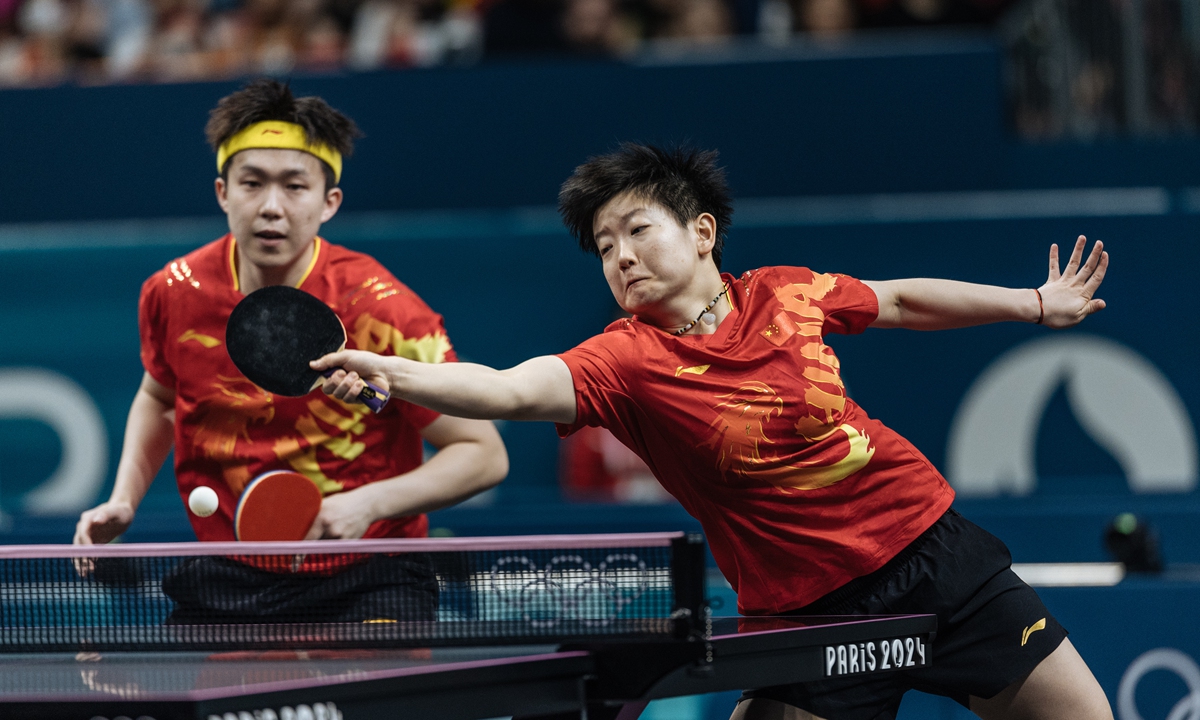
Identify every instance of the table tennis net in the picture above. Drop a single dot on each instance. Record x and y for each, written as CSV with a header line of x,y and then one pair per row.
x,y
355,594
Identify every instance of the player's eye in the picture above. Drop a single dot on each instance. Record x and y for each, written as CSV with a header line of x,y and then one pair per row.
x,y
604,250
638,229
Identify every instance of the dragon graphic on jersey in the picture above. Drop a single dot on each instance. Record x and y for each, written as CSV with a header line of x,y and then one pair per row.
x,y
741,429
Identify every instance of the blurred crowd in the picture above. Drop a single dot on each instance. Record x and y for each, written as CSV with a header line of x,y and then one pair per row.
x,y
47,42
1092,69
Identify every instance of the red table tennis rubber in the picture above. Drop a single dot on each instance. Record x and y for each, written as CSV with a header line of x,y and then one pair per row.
x,y
278,505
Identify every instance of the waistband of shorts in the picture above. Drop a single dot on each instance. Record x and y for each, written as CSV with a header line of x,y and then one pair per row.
x,y
872,582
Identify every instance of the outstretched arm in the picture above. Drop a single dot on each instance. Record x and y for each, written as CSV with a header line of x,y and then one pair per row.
x,y
537,389
929,304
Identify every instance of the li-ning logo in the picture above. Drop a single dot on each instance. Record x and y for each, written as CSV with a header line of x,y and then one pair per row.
x,y
1039,625
269,131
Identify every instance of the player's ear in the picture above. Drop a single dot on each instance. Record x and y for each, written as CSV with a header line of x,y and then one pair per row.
x,y
333,201
222,198
705,229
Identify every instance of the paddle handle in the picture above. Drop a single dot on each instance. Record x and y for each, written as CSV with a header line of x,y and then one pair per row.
x,y
372,396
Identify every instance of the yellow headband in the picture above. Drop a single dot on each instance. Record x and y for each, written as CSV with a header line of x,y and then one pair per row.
x,y
278,134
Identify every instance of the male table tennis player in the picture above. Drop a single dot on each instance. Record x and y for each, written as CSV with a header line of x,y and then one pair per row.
x,y
279,160
725,387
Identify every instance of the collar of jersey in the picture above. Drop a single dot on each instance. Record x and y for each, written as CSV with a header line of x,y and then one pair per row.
x,y
233,274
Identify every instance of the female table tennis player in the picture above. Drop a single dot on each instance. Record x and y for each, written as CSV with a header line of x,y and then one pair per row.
x,y
724,386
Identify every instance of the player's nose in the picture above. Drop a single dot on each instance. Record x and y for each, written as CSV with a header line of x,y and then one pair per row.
x,y
626,257
272,205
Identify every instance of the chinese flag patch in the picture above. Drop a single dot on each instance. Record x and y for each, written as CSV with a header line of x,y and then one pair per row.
x,y
780,329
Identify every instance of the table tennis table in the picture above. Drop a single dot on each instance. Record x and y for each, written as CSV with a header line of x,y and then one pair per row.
x,y
606,680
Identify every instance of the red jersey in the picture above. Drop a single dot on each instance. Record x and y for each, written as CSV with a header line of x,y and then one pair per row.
x,y
228,431
797,489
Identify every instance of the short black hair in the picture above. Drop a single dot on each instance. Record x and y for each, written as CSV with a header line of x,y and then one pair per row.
x,y
269,99
685,181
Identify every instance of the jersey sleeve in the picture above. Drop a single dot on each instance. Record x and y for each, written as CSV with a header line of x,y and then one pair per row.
x,y
595,374
152,329
396,321
850,306
399,324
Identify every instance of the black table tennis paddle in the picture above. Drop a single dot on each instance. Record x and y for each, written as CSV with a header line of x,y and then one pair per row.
x,y
275,331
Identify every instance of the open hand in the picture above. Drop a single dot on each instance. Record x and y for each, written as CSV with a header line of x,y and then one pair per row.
x,y
1068,296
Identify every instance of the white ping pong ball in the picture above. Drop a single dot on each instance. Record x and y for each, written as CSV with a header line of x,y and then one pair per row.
x,y
203,501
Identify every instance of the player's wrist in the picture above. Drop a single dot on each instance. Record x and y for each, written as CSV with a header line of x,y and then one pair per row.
x,y
398,372
1038,314
377,500
122,502
389,498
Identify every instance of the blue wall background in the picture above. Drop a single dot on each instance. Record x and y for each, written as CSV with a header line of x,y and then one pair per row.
x,y
880,115
884,158
453,188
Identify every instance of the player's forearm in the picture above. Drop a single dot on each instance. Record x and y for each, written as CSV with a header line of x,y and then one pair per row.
x,y
456,472
149,434
932,304
468,390
463,390
541,388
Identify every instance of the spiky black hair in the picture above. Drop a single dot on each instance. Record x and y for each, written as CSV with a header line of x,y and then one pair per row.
x,y
685,181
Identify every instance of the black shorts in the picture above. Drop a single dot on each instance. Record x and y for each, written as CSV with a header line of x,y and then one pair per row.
x,y
988,634
219,590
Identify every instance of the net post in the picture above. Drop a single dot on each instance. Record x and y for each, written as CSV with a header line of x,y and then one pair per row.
x,y
687,576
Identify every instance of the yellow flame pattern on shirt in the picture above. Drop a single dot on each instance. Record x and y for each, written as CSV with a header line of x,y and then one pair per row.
x,y
378,336
227,417
335,432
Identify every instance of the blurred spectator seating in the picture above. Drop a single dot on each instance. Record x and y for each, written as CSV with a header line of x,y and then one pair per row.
x,y
49,42
1084,69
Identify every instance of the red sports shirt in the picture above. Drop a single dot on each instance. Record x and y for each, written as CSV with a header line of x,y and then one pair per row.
x,y
798,490
228,431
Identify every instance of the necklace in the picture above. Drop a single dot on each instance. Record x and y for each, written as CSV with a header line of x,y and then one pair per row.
x,y
708,317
